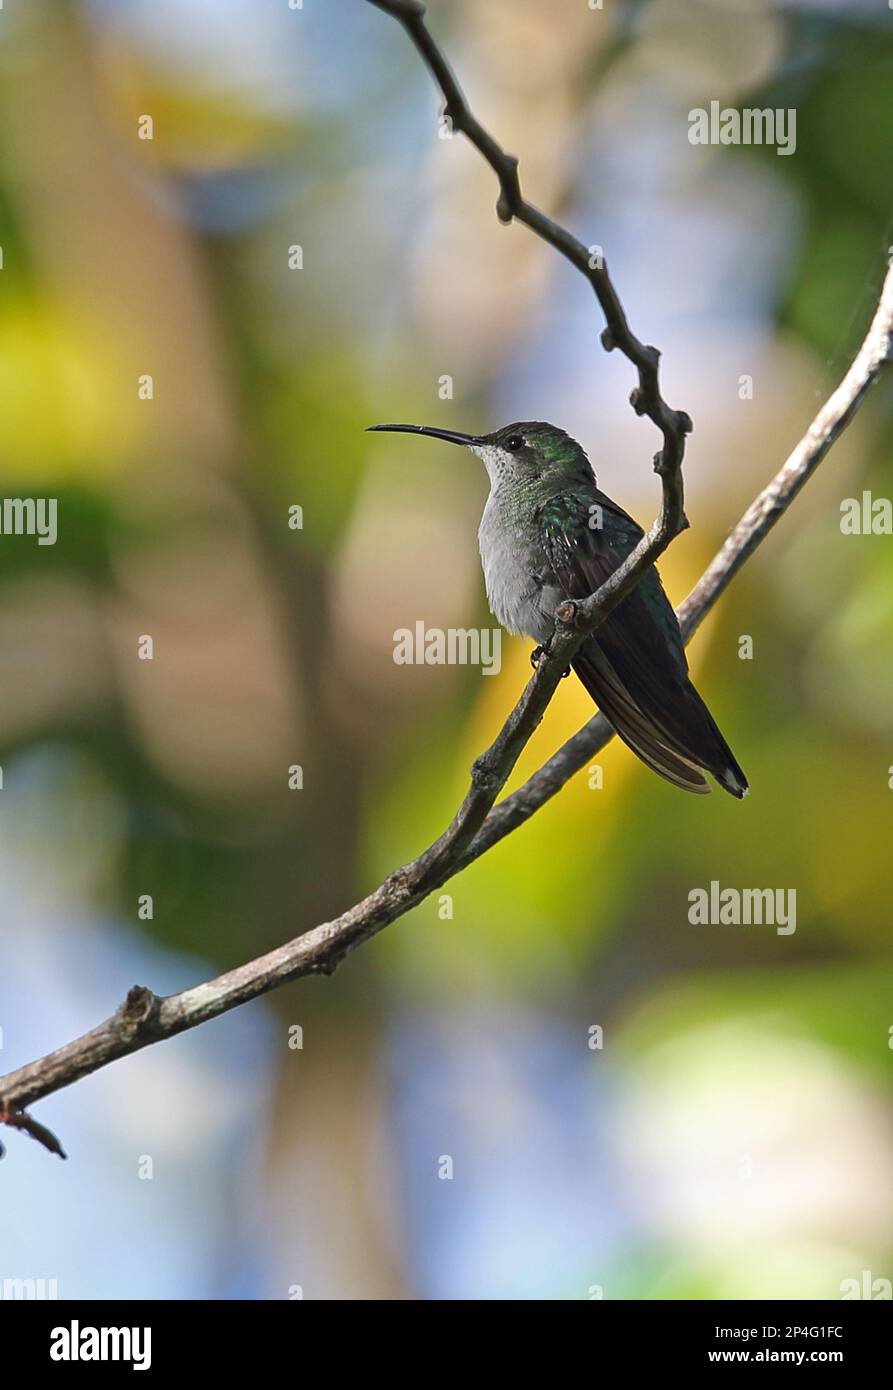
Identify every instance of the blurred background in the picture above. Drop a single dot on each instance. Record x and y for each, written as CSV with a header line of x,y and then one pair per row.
x,y
295,254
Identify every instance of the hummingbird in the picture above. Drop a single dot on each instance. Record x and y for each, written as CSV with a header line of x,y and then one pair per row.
x,y
548,534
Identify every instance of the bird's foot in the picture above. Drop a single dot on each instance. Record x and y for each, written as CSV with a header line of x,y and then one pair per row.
x,y
538,653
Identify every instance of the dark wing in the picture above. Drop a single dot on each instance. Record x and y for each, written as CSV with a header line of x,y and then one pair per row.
x,y
634,665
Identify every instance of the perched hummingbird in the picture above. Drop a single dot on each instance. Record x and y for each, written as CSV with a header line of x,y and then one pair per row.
x,y
548,534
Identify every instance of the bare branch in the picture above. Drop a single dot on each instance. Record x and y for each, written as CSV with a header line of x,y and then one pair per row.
x,y
646,399
145,1018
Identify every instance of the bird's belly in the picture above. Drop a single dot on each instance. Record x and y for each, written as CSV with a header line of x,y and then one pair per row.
x,y
523,612
517,596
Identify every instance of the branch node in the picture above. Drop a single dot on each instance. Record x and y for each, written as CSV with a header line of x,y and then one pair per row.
x,y
636,401
608,341
482,775
455,114
566,613
509,199
138,1012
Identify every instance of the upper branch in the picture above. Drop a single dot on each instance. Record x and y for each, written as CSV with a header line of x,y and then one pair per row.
x,y
646,399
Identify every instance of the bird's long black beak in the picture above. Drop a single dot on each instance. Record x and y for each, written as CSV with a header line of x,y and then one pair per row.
x,y
451,436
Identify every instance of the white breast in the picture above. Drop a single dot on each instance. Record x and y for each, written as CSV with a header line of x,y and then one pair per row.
x,y
516,597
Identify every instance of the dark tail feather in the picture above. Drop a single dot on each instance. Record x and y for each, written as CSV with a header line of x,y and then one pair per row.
x,y
658,740
723,764
633,728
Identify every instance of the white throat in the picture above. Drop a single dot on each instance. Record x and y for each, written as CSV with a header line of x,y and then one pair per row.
x,y
498,462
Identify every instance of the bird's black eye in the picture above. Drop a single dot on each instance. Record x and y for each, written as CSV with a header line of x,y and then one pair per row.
x,y
514,443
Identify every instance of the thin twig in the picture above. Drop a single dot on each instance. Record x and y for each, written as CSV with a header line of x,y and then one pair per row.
x,y
146,1018
18,1119
646,399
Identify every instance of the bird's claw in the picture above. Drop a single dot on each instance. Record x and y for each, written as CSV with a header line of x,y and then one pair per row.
x,y
537,655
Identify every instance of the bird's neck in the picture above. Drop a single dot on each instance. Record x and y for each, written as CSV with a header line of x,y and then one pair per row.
x,y
518,499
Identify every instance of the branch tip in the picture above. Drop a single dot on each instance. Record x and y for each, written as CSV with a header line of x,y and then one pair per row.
x,y
20,1119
